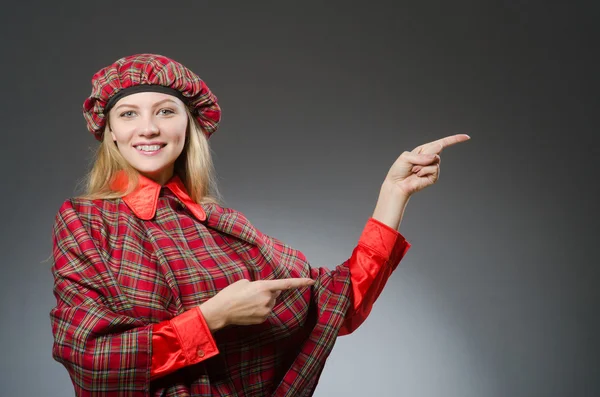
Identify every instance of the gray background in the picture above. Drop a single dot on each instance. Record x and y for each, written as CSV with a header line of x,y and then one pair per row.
x,y
498,295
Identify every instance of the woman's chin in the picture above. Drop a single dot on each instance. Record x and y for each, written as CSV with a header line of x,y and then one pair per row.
x,y
160,175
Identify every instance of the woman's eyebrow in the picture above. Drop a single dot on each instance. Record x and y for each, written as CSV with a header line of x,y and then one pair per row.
x,y
156,104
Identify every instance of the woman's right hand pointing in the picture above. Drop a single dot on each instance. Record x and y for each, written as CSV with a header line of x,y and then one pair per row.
x,y
247,302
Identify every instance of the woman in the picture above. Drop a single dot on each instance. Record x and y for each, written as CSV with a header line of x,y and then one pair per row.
x,y
163,292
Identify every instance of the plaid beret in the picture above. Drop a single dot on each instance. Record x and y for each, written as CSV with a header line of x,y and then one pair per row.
x,y
149,72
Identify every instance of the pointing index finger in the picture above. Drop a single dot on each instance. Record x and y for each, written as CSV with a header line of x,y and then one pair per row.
x,y
287,283
437,146
453,140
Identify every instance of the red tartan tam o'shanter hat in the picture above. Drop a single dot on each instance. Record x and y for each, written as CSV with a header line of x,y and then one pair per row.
x,y
149,72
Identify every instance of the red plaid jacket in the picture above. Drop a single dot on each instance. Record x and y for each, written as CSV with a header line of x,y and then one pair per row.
x,y
129,277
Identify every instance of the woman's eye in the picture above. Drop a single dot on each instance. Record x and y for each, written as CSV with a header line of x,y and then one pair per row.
x,y
131,113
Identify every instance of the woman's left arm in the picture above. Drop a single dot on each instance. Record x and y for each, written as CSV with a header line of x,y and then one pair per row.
x,y
381,246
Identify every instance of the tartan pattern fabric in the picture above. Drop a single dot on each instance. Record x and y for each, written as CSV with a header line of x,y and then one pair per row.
x,y
116,275
150,69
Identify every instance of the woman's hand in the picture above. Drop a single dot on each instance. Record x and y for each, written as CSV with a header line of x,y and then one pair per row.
x,y
419,168
247,302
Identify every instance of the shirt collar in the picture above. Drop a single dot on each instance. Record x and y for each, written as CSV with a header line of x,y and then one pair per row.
x,y
144,199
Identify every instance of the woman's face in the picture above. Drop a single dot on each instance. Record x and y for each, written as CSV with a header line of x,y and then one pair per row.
x,y
149,129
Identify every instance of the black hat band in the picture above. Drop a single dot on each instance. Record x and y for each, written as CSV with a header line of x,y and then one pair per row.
x,y
143,88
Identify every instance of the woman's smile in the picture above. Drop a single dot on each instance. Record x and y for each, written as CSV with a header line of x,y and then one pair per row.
x,y
150,150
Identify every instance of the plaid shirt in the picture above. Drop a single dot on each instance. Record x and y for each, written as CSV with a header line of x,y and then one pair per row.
x,y
129,277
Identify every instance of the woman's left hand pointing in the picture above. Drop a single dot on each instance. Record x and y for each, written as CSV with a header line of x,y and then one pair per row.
x,y
419,168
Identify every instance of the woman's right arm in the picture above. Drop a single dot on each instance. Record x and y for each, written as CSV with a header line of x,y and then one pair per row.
x,y
103,350
111,353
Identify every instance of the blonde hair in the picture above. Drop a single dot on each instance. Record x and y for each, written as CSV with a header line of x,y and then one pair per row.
x,y
194,166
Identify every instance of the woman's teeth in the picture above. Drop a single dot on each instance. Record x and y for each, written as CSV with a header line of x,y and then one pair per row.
x,y
148,148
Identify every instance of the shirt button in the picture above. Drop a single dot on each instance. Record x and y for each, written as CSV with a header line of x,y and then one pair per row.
x,y
200,353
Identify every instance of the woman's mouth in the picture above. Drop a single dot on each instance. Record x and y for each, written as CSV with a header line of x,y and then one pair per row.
x,y
149,150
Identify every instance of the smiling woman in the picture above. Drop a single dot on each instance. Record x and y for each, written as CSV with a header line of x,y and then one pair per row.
x,y
161,291
141,125
149,129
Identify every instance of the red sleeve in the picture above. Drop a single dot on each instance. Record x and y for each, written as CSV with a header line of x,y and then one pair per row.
x,y
184,340
378,253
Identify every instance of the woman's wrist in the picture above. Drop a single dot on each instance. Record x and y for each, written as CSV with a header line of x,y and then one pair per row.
x,y
213,315
390,205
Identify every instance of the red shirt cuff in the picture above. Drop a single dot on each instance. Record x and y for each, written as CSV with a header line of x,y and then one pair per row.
x,y
184,340
377,254
389,243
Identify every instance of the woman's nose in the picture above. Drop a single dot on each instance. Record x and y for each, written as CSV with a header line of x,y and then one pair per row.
x,y
149,128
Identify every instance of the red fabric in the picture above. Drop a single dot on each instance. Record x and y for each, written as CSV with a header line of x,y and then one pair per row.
x,y
379,251
182,341
177,343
